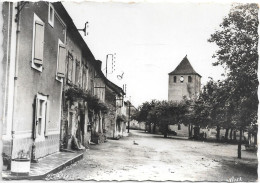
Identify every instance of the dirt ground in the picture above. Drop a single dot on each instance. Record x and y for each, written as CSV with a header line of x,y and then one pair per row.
x,y
159,159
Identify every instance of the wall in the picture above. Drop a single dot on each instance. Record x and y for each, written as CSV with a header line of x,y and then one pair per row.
x,y
137,125
110,117
31,81
7,74
177,90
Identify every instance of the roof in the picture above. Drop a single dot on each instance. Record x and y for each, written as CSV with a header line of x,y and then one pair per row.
x,y
73,31
114,87
108,83
184,67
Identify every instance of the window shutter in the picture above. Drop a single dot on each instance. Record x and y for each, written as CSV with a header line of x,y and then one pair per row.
x,y
77,75
61,61
70,66
38,43
36,103
47,117
73,79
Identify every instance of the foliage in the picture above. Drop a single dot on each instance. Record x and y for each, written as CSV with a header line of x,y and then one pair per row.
x,y
7,160
238,54
121,117
22,154
162,113
94,103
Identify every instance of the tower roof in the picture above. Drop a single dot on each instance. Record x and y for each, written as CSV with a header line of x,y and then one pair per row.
x,y
184,68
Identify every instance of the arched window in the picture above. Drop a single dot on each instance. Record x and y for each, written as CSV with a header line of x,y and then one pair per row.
x,y
189,79
174,79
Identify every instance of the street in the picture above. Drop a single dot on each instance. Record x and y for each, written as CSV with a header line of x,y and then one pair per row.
x,y
143,156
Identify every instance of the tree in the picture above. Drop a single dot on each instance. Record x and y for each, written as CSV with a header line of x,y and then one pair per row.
x,y
237,40
146,113
169,113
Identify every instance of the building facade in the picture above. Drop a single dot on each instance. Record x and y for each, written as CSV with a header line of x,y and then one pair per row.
x,y
184,81
54,90
115,118
35,72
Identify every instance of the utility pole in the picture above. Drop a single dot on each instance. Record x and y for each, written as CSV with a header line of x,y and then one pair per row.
x,y
129,112
129,115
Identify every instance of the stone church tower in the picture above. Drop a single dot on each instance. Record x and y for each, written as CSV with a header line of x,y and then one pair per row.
x,y
183,81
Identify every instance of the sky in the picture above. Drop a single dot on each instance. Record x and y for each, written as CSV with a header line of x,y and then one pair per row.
x,y
150,40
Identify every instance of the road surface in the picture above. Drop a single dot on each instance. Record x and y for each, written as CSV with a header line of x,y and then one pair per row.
x,y
153,157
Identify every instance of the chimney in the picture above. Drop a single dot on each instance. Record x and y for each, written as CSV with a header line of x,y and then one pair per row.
x,y
99,64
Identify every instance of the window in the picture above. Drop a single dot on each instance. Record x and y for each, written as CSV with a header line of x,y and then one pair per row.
x,y
174,79
61,60
51,15
86,85
42,107
92,87
189,79
38,43
73,79
77,73
83,77
70,68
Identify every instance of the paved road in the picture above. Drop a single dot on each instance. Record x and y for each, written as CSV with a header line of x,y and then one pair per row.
x,y
156,158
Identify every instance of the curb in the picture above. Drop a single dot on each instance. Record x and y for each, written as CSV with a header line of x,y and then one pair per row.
x,y
42,176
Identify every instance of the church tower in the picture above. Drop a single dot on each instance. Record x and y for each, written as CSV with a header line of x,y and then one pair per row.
x,y
183,81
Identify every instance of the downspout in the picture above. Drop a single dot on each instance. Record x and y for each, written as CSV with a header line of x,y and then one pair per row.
x,y
15,71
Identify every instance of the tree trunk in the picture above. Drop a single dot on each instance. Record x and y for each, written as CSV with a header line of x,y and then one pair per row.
x,y
235,135
230,134
165,131
226,134
150,127
190,130
154,126
239,145
249,138
218,133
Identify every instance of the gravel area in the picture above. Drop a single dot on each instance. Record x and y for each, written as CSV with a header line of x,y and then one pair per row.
x,y
153,157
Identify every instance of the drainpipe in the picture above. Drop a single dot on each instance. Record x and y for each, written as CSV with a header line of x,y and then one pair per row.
x,y
16,70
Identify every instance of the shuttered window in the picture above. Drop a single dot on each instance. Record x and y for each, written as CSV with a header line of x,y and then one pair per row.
x,y
38,43
83,77
47,116
77,73
69,69
41,117
87,78
61,61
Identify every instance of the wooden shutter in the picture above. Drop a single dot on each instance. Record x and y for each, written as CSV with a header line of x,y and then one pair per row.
x,y
38,43
61,61
35,121
70,67
77,74
47,117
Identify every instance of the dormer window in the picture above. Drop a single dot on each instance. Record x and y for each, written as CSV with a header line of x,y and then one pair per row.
x,y
174,79
51,15
189,79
